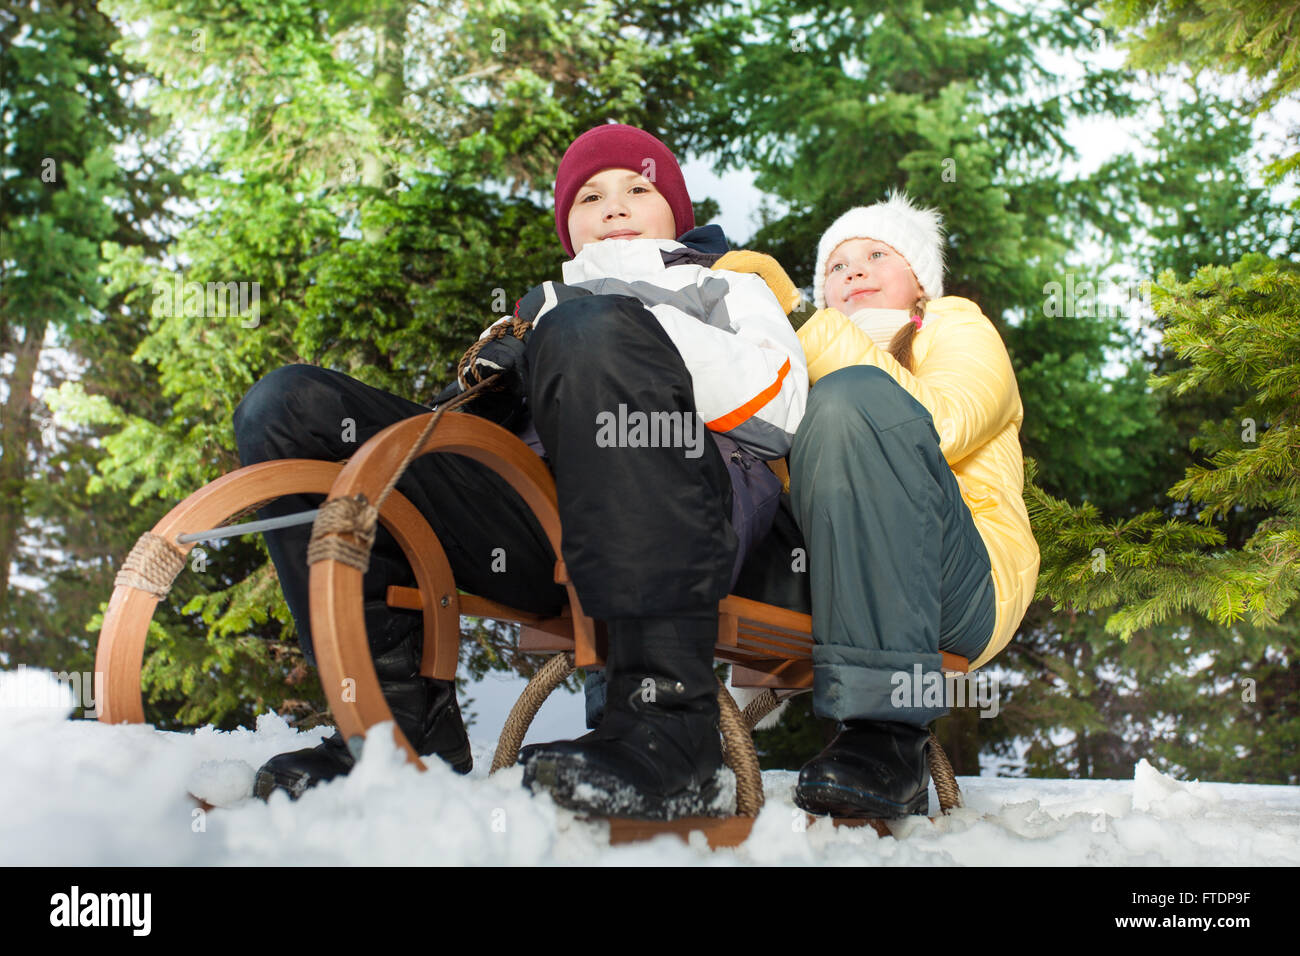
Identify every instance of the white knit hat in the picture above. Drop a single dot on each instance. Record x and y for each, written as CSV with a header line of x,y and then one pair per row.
x,y
915,233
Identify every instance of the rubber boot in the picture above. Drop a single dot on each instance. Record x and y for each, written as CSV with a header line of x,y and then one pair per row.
x,y
426,710
657,751
873,769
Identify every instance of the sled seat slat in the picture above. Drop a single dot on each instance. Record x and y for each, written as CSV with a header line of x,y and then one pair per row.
x,y
768,646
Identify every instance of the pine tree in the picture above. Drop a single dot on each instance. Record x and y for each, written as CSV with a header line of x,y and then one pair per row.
x,y
1190,202
61,195
380,173
1237,326
1260,38
1204,588
1255,36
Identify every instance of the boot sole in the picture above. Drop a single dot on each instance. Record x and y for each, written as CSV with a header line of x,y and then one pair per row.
x,y
266,783
844,802
461,761
581,788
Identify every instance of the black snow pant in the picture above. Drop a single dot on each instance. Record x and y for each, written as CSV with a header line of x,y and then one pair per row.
x,y
898,569
647,531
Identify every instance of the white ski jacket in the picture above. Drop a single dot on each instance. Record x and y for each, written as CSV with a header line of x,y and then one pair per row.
x,y
747,366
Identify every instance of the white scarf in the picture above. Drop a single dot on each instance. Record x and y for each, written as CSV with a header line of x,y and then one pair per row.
x,y
880,324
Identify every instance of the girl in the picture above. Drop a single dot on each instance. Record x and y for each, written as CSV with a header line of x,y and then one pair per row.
x,y
906,481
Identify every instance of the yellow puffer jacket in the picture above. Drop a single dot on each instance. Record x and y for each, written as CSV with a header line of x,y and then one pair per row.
x,y
963,377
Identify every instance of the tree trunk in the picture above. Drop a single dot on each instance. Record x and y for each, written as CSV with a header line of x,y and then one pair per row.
x,y
15,438
390,86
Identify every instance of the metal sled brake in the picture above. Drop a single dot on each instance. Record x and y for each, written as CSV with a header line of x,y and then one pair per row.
x,y
770,647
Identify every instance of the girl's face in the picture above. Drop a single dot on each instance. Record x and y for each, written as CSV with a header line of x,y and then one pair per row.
x,y
619,204
868,274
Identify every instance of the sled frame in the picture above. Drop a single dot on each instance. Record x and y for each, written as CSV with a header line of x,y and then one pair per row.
x,y
768,646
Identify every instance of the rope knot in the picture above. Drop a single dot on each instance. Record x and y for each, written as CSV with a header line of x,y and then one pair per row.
x,y
151,565
517,327
344,516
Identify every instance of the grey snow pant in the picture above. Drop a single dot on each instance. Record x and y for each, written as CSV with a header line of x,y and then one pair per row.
x,y
898,570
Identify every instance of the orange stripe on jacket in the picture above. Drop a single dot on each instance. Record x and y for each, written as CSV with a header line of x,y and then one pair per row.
x,y
727,422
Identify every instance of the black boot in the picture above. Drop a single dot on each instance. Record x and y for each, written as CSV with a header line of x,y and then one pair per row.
x,y
871,769
526,753
426,711
594,693
657,752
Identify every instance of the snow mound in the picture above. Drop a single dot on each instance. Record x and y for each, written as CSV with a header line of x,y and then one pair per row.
x,y
84,793
1163,796
222,783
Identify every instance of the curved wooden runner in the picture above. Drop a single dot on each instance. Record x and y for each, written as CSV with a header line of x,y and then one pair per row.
x,y
120,652
346,672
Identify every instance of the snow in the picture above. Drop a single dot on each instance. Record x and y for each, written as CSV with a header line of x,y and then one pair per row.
x,y
83,793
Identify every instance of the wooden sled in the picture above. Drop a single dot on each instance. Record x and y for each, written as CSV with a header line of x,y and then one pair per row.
x,y
768,646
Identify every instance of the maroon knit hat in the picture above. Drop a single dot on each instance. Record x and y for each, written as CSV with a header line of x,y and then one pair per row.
x,y
616,146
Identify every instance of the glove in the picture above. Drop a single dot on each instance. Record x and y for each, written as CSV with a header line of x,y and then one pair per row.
x,y
506,408
504,355
507,355
447,394
505,403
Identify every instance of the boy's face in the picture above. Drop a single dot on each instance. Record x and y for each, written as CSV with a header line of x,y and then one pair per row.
x,y
868,274
619,204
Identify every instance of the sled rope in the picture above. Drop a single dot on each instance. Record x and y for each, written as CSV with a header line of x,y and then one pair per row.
x,y
945,781
151,565
738,753
548,677
516,327
760,707
340,516
356,516
737,745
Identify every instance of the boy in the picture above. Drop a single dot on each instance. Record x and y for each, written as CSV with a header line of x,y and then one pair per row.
x,y
654,535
